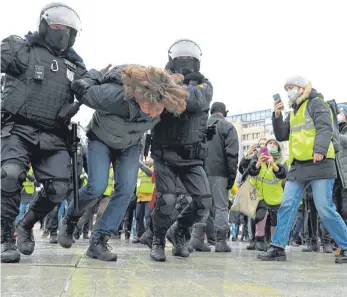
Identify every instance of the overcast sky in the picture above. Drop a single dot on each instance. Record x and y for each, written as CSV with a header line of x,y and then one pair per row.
x,y
249,47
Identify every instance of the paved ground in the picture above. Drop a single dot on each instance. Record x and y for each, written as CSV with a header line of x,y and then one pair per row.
x,y
53,271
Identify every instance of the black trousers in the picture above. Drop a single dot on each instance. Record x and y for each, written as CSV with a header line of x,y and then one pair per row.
x,y
51,168
194,180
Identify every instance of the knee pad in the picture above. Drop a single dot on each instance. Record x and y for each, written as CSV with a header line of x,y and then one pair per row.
x,y
12,177
260,215
166,203
202,203
57,189
182,202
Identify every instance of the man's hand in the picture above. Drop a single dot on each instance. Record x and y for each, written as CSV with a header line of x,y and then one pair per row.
x,y
79,87
106,69
261,159
317,157
194,76
278,107
251,150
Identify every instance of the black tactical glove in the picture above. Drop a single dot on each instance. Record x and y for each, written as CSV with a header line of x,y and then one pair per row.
x,y
79,87
68,111
231,182
196,77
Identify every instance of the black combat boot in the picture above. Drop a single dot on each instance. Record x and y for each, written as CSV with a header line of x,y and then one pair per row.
x,y
53,238
77,232
85,235
66,231
312,246
99,248
260,244
25,235
251,246
222,244
158,249
342,257
273,254
147,238
9,252
176,235
327,247
197,242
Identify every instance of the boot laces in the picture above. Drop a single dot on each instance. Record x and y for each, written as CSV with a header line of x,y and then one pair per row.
x,y
180,233
104,243
158,241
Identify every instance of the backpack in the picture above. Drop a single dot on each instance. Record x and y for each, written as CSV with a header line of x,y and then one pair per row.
x,y
336,134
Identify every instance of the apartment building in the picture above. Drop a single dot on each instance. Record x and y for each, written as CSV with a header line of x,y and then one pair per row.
x,y
252,126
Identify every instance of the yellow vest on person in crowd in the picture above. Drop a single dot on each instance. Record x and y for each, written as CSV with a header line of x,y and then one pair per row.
x,y
110,184
233,191
28,185
84,180
145,187
302,135
267,185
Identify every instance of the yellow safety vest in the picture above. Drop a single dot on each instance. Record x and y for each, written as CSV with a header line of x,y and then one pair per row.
x,y
302,136
110,185
85,180
28,185
144,183
267,185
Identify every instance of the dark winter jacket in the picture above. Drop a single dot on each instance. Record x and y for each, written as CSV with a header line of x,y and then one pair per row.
x,y
118,122
223,149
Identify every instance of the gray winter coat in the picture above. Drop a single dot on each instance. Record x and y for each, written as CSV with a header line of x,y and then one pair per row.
x,y
117,121
307,170
341,158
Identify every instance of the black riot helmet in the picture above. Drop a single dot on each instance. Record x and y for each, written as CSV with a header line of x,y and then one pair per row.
x,y
184,56
57,13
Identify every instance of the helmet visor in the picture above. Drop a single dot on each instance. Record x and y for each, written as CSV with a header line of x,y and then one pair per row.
x,y
62,15
185,48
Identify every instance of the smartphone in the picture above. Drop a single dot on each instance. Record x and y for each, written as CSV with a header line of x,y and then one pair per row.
x,y
276,97
264,151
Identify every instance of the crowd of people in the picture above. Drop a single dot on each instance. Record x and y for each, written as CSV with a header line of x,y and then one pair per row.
x,y
183,192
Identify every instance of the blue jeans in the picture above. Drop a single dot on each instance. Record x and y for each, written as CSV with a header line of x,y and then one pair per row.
x,y
322,196
22,210
126,166
61,211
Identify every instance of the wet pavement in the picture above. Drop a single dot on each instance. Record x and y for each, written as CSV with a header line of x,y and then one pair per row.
x,y
53,271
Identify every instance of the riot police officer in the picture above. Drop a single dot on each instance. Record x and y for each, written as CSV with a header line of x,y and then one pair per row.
x,y
38,105
178,150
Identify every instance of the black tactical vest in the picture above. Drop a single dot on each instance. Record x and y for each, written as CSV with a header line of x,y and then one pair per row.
x,y
39,94
173,131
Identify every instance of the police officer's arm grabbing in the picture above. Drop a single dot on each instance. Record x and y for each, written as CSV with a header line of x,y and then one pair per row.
x,y
200,92
14,56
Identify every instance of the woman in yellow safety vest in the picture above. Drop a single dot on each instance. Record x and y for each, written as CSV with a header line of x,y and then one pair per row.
x,y
310,128
266,175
